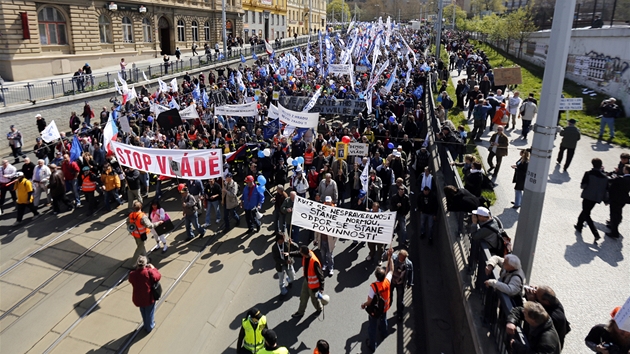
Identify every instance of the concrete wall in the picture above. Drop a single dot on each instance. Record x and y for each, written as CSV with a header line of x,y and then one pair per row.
x,y
598,58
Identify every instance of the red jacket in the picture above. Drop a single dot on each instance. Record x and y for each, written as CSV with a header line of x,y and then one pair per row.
x,y
313,180
139,279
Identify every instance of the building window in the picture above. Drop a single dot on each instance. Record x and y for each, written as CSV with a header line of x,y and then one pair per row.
x,y
104,29
181,35
273,17
195,31
322,22
127,30
245,17
206,31
52,27
282,20
146,30
253,16
260,17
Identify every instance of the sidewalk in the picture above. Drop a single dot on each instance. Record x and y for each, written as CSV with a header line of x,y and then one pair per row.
x,y
567,261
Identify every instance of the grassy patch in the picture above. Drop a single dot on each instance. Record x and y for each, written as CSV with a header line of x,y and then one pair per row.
x,y
532,82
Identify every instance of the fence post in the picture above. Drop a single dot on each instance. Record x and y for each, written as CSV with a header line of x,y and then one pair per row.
x,y
72,81
106,74
4,101
63,86
191,63
149,68
137,78
52,87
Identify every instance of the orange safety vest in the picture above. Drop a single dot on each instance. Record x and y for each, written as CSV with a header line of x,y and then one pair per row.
x,y
383,288
88,185
311,277
136,218
308,157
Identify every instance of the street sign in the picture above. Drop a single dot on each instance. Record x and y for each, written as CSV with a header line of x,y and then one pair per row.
x,y
299,72
571,104
283,71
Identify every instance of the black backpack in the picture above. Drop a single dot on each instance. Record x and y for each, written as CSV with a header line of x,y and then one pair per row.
x,y
377,307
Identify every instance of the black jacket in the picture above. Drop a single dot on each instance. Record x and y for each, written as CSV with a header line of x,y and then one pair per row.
x,y
277,257
405,205
619,190
542,339
594,186
463,200
473,183
559,320
428,204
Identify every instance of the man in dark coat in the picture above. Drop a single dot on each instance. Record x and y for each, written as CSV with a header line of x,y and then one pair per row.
x,y
541,335
545,296
499,143
619,196
284,264
594,186
570,136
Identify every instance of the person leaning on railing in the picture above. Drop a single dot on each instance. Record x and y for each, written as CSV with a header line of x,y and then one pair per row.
x,y
537,328
511,278
545,296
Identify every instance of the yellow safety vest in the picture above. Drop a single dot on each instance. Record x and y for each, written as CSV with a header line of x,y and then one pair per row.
x,y
280,350
254,341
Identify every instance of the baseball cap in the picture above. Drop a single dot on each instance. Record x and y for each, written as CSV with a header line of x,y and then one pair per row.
x,y
249,179
181,187
270,336
86,168
38,115
328,199
19,174
481,211
397,153
58,153
361,193
572,121
228,174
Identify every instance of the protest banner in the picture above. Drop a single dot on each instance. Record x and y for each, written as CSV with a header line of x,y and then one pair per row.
x,y
325,105
361,68
189,112
343,223
357,149
273,112
298,119
239,110
507,76
186,164
623,316
340,69
220,97
341,151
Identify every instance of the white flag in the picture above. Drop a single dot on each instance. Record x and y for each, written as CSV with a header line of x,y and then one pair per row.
x,y
163,86
117,87
365,176
145,77
174,85
51,132
132,94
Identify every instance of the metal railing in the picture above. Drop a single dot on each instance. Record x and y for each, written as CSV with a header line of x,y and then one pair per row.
x,y
496,305
38,90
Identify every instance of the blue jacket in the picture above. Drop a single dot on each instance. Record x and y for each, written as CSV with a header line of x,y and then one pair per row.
x,y
256,198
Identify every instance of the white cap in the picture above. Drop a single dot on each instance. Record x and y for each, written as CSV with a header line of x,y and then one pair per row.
x,y
19,174
328,199
38,115
481,211
396,153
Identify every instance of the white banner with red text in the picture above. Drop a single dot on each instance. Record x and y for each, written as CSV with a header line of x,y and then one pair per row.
x,y
186,164
344,223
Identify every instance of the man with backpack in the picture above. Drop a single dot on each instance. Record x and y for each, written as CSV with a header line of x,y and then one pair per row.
x,y
378,302
487,228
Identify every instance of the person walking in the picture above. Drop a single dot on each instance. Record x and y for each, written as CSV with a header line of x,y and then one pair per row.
x,y
194,50
7,174
252,200
57,188
610,111
15,143
212,196
89,183
428,206
284,264
138,224
41,178
402,278
250,338
520,175
328,187
271,343
326,244
619,190
499,143
401,205
111,185
528,112
133,186
287,210
158,214
594,186
190,207
570,137
71,172
142,278
230,201
514,103
381,288
313,279
279,220
123,66
24,190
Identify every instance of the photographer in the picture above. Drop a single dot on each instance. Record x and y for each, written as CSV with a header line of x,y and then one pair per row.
x,y
608,338
610,110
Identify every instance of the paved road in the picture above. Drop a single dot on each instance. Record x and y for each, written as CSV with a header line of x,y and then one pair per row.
x,y
589,280
215,280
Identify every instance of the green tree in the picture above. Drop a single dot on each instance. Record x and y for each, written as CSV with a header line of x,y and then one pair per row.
x,y
478,6
520,24
336,8
459,14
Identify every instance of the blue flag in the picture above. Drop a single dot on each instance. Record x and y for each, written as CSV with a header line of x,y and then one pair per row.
x,y
243,59
232,78
254,56
418,92
196,93
299,133
76,150
205,99
271,128
221,56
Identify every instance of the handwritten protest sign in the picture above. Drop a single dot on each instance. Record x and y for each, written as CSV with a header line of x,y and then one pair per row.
x,y
507,76
357,149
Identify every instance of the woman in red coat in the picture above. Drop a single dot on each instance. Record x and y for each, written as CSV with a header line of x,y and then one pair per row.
x,y
141,279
